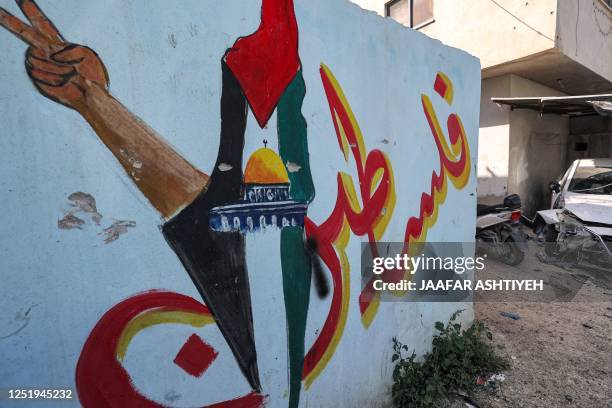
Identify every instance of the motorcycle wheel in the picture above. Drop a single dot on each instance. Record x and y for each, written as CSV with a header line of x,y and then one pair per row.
x,y
515,256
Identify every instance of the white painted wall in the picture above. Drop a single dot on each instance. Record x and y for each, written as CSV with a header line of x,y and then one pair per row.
x,y
495,33
584,33
538,145
493,142
69,279
520,152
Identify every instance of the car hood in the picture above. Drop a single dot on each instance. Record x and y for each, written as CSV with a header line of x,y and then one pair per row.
x,y
590,207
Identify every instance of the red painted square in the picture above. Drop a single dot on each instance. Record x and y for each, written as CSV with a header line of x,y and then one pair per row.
x,y
195,356
440,86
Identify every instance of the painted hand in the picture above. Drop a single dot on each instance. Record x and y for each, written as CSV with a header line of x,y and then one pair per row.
x,y
61,71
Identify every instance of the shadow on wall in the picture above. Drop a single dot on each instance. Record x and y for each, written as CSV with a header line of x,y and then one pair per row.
x,y
544,161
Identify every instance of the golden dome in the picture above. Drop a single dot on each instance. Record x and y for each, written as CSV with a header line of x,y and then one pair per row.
x,y
265,167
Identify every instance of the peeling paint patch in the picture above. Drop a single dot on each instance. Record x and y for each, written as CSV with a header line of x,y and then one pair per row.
x,y
79,202
225,167
83,202
69,222
131,157
117,229
293,167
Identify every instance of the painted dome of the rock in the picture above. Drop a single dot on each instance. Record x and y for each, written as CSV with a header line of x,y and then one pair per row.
x,y
265,167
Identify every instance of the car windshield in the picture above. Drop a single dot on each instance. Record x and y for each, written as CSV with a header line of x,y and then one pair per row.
x,y
592,180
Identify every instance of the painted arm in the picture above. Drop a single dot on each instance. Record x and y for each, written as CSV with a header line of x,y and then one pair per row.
x,y
74,76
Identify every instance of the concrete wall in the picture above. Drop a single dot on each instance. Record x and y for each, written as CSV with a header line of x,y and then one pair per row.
x,y
493,142
519,151
73,312
492,32
590,137
584,33
538,147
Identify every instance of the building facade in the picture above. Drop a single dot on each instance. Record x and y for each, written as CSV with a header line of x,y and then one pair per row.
x,y
527,49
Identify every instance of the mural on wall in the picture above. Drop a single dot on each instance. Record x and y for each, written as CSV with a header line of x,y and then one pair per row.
x,y
377,193
207,217
101,379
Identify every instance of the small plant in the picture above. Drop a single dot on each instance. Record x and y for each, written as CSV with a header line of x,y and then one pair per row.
x,y
457,358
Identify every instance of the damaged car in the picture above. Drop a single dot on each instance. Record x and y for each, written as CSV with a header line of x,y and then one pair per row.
x,y
578,227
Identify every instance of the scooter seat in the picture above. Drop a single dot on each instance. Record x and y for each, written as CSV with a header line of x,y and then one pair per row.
x,y
482,209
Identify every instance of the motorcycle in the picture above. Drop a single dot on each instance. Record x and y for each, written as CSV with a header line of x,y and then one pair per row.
x,y
499,233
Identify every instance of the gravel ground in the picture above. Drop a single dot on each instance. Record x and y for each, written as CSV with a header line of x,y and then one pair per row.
x,y
560,352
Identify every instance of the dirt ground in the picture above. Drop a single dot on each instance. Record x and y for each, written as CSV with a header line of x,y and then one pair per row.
x,y
560,352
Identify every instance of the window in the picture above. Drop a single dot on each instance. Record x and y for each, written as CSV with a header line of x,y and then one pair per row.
x,y
592,180
399,10
581,147
411,13
422,12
